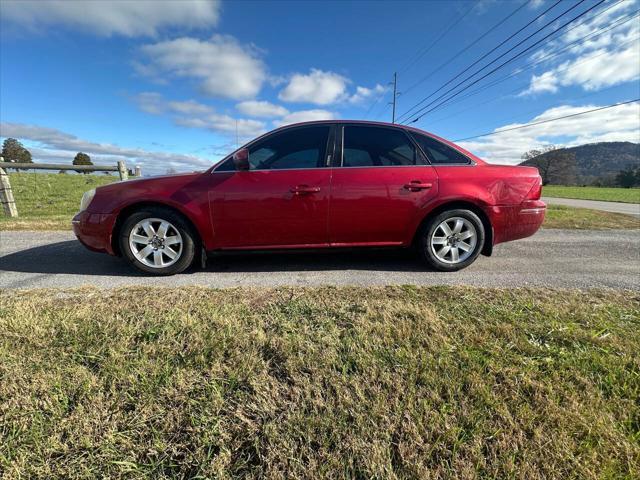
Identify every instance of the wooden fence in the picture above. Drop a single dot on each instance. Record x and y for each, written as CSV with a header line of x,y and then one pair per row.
x,y
6,195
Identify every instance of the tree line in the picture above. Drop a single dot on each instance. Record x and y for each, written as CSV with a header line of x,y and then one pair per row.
x,y
13,151
559,167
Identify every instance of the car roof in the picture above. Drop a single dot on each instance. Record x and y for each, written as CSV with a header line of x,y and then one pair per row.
x,y
385,124
363,122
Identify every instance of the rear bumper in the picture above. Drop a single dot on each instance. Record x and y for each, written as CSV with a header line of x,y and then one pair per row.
x,y
516,221
94,230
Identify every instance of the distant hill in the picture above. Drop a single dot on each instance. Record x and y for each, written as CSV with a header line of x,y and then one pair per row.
x,y
602,161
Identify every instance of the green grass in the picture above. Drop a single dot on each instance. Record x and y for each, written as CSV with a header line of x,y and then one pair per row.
x,y
559,216
48,201
626,195
320,383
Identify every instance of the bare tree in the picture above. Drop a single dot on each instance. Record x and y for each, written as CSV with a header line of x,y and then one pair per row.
x,y
556,165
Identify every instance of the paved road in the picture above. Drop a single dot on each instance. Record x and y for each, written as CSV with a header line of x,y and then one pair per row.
x,y
615,207
558,258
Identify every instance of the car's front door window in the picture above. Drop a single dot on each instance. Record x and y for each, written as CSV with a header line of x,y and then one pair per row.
x,y
298,148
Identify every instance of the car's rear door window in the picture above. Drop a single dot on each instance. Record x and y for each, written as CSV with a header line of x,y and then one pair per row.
x,y
439,153
370,146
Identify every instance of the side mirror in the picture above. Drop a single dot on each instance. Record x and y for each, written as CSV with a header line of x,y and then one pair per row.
x,y
241,159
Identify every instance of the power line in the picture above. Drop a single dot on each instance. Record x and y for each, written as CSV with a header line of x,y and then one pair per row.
x,y
407,113
527,125
471,44
374,103
545,58
512,117
468,77
424,51
499,66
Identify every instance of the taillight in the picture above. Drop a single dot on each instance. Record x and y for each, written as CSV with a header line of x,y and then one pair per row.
x,y
536,190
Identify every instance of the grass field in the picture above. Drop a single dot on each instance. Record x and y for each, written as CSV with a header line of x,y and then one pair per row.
x,y
48,201
559,216
626,195
327,383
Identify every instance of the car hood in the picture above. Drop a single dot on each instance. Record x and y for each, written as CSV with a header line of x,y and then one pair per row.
x,y
159,181
167,189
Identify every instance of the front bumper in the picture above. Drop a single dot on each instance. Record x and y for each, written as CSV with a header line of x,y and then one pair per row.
x,y
516,221
94,230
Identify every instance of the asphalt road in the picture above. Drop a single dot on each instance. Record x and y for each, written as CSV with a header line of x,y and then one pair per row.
x,y
615,207
554,258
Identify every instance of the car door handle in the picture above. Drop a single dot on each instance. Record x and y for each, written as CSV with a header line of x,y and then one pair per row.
x,y
416,186
304,190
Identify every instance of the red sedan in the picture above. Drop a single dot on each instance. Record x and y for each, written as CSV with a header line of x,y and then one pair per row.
x,y
327,184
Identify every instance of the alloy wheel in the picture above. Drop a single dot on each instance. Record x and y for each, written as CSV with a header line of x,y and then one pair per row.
x,y
454,240
155,242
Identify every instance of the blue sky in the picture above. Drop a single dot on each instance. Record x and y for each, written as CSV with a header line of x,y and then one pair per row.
x,y
164,84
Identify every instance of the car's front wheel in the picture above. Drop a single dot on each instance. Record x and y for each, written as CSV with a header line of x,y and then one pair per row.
x,y
452,240
157,241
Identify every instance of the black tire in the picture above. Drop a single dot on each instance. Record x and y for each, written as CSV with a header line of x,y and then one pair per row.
x,y
189,240
427,250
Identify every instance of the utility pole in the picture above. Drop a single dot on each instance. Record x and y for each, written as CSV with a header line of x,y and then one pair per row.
x,y
395,95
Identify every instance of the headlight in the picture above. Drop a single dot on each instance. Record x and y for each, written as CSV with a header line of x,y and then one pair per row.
x,y
86,199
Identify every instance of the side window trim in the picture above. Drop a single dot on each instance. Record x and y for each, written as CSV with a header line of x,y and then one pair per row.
x,y
470,162
421,159
330,145
330,151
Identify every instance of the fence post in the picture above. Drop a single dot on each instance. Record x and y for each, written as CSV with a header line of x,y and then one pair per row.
x,y
138,171
122,170
6,195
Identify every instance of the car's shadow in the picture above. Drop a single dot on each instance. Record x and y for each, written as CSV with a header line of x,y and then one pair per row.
x,y
69,257
64,257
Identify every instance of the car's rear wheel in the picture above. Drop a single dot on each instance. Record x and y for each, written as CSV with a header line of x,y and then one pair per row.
x,y
158,241
451,240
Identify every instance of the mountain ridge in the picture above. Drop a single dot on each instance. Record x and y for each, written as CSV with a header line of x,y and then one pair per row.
x,y
598,162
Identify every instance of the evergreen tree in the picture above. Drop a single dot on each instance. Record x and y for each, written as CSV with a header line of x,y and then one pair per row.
x,y
628,178
14,151
82,159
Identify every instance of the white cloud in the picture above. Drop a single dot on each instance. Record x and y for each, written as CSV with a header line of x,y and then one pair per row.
x,y
223,67
306,116
192,114
257,108
150,102
155,104
318,87
614,124
112,17
189,107
594,71
364,93
54,145
603,60
547,82
220,123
